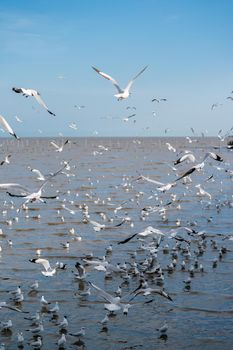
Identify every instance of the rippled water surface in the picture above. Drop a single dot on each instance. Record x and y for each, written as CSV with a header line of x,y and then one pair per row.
x,y
103,175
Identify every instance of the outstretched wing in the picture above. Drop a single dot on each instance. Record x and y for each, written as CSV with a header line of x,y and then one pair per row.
x,y
104,294
54,144
141,177
7,127
108,77
189,172
128,239
132,80
41,102
43,262
38,173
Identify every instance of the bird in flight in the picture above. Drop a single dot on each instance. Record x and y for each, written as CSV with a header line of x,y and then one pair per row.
x,y
122,93
34,93
7,127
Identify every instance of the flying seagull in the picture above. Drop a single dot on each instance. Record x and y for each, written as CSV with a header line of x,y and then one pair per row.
x,y
188,156
7,127
59,148
34,93
122,93
149,231
49,271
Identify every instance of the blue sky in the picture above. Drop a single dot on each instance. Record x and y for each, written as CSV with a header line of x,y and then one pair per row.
x,y
51,45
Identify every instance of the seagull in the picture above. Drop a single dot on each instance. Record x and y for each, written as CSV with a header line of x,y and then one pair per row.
x,y
80,333
202,192
18,119
170,147
127,118
73,126
59,148
49,271
163,329
6,325
34,93
214,105
36,344
114,304
149,291
159,99
122,93
34,286
63,324
55,309
188,156
6,160
7,127
81,275
61,341
20,339
149,231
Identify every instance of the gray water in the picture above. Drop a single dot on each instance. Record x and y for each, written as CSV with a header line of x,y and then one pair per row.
x,y
103,179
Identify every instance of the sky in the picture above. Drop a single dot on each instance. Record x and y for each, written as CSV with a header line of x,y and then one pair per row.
x,y
50,46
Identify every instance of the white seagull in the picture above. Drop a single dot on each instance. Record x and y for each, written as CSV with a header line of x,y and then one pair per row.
x,y
34,93
59,148
122,93
114,303
188,156
49,271
149,231
6,160
7,127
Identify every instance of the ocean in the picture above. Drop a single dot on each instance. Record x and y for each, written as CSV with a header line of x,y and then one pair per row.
x,y
103,183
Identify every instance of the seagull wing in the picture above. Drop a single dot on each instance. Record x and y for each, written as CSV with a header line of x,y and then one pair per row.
x,y
43,262
215,156
150,180
104,294
127,239
40,101
7,127
80,268
38,173
97,224
108,77
54,144
189,156
189,172
132,80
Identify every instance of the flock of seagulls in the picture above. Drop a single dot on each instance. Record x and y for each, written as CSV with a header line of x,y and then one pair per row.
x,y
109,251
141,244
